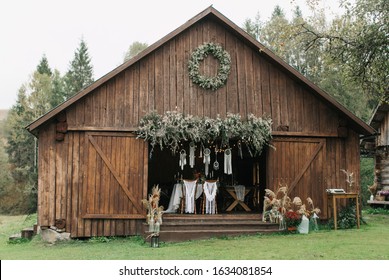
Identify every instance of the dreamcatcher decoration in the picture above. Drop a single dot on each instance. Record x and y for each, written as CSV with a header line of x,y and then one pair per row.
x,y
192,149
228,162
182,161
207,160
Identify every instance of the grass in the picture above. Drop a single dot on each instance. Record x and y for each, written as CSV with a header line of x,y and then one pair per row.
x,y
367,243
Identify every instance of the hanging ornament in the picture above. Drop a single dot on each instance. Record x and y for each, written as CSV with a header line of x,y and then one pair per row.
x,y
227,162
192,148
240,150
207,160
216,163
182,161
201,152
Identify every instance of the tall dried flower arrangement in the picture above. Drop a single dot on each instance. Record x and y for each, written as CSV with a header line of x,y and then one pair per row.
x,y
277,204
349,179
154,211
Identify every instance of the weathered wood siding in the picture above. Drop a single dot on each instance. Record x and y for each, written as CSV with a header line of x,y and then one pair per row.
x,y
160,82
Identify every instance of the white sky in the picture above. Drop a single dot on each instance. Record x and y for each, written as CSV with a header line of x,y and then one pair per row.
x,y
31,28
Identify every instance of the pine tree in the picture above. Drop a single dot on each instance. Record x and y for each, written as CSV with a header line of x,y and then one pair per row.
x,y
80,73
43,66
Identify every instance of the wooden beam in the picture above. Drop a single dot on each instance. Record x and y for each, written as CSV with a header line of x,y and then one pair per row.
x,y
114,216
100,128
304,134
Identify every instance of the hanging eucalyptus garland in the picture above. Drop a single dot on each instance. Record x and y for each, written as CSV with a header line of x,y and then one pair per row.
x,y
199,55
170,129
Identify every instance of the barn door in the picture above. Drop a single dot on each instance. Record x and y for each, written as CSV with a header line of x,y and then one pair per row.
x,y
115,176
298,162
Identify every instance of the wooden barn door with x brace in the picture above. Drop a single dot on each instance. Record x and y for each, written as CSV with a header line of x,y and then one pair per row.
x,y
116,167
298,163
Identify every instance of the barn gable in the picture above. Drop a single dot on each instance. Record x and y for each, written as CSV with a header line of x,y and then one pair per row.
x,y
157,79
94,172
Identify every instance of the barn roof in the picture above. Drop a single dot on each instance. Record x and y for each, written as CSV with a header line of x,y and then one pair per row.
x,y
379,114
357,124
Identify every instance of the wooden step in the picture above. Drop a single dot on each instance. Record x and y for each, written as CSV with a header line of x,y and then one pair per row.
x,y
193,227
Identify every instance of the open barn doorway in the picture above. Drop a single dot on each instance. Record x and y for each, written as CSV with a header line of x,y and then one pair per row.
x,y
246,170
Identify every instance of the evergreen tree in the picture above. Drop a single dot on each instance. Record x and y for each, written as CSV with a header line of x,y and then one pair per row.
x,y
80,73
43,66
58,94
21,150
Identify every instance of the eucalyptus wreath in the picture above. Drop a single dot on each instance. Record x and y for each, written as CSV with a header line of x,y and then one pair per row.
x,y
199,55
170,129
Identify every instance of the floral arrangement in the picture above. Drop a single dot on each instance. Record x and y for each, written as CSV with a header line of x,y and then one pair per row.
x,y
199,55
280,208
170,129
154,211
292,218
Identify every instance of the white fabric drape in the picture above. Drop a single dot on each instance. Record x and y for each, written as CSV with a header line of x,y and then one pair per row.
x,y
240,192
190,188
210,189
192,149
228,162
207,160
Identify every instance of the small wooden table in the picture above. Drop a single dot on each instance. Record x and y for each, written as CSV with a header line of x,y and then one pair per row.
x,y
331,199
236,201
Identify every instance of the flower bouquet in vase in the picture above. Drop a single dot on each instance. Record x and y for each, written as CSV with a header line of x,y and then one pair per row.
x,y
292,219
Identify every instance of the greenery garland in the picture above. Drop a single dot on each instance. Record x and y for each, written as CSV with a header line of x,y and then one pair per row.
x,y
170,129
199,55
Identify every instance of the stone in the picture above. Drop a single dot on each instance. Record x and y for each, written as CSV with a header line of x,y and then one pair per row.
x,y
52,236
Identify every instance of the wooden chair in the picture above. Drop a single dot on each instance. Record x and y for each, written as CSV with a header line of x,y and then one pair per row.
x,y
188,200
210,197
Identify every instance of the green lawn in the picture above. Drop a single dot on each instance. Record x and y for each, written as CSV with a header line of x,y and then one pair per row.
x,y
368,243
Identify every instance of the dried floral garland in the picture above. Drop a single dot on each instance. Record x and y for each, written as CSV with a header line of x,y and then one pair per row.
x,y
199,55
170,129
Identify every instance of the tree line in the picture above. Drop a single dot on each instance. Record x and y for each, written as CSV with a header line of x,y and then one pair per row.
x,y
346,56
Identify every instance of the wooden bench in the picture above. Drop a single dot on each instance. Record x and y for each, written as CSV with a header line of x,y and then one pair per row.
x,y
378,203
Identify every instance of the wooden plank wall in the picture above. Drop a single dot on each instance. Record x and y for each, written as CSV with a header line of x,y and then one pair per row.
x,y
383,137
160,82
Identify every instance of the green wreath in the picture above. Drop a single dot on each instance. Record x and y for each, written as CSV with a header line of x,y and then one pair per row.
x,y
198,56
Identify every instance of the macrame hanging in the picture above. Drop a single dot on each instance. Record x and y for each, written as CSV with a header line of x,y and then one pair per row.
x,y
227,162
207,160
192,149
182,161
210,189
190,188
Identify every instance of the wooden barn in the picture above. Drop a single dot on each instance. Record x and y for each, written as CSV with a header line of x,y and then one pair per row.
x,y
378,147
94,171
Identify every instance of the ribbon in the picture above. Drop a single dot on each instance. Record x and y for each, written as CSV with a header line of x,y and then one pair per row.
x,y
227,162
182,161
207,160
192,149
